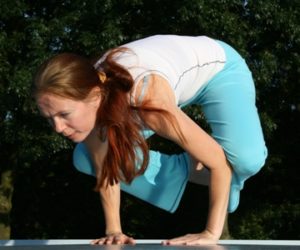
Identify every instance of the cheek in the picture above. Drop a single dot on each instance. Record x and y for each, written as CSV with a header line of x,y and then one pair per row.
x,y
93,115
87,120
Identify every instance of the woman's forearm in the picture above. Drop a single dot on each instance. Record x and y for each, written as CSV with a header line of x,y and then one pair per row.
x,y
220,179
110,198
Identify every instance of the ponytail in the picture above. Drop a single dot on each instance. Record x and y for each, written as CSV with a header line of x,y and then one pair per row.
x,y
120,125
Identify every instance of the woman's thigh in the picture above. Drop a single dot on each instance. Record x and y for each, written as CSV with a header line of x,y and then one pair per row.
x,y
228,103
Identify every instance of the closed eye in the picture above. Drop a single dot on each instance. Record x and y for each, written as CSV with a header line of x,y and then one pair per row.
x,y
64,115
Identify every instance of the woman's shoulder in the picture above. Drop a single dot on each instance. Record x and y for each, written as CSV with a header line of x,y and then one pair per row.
x,y
155,90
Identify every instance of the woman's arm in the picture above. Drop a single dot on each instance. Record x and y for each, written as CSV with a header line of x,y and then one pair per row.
x,y
207,151
110,199
199,145
109,196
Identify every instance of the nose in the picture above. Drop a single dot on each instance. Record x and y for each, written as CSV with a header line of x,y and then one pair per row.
x,y
58,125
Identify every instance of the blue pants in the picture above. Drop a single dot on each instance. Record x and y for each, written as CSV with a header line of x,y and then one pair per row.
x,y
228,103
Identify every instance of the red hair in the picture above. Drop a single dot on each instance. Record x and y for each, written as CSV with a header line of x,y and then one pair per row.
x,y
121,125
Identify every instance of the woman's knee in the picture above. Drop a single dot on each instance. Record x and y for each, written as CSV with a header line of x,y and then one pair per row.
x,y
248,161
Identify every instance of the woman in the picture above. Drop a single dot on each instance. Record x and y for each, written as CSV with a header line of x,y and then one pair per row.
x,y
111,107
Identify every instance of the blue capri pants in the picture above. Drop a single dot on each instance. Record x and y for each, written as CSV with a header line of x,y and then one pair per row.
x,y
228,103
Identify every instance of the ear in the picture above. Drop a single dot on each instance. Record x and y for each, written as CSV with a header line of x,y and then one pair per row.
x,y
95,91
95,96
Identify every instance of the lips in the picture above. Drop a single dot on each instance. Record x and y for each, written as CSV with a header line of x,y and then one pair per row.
x,y
69,135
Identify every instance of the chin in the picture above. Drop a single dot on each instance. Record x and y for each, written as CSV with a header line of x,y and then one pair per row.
x,y
77,139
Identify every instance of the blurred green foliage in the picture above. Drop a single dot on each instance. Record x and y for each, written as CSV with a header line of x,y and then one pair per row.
x,y
52,200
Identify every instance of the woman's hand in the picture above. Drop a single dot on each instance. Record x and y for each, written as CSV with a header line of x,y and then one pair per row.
x,y
203,238
114,238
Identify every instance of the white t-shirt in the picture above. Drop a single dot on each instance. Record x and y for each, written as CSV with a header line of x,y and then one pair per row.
x,y
186,62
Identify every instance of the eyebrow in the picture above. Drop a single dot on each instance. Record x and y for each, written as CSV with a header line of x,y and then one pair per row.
x,y
50,116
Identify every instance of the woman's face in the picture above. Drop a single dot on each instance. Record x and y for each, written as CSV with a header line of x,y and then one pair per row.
x,y
73,119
